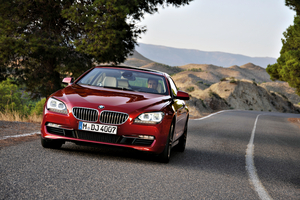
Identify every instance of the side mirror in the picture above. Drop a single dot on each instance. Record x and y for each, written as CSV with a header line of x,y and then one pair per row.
x,y
182,95
68,80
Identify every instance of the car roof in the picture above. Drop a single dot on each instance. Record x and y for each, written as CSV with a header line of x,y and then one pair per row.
x,y
135,68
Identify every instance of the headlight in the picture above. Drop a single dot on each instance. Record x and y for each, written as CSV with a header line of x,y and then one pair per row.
x,y
150,118
56,106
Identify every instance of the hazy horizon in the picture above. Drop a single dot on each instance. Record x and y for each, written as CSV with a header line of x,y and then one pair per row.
x,y
208,51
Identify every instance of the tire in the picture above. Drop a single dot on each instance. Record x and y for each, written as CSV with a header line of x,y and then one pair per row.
x,y
52,144
182,141
164,157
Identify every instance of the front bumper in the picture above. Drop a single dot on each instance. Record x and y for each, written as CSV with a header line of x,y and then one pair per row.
x,y
150,138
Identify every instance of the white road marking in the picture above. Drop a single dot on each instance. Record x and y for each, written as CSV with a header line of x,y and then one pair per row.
x,y
212,114
253,177
21,135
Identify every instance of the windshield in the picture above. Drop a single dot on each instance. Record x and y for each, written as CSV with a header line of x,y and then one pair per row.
x,y
125,79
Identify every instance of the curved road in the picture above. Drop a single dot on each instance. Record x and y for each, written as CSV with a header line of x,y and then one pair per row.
x,y
217,164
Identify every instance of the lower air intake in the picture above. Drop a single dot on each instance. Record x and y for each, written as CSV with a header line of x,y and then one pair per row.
x,y
99,137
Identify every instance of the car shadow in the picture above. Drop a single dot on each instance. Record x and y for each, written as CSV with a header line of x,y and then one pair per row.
x,y
192,159
108,152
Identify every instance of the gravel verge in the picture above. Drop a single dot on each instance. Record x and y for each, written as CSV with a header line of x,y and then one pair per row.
x,y
8,128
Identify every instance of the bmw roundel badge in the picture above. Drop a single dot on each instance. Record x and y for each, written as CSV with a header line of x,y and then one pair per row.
x,y
101,107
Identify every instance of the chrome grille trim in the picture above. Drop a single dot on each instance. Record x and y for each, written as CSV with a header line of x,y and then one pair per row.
x,y
112,117
86,114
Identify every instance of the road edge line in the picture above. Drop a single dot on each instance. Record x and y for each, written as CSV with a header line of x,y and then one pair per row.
x,y
211,115
21,135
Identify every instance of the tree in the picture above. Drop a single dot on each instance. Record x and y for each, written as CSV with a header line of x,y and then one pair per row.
x,y
294,5
287,67
43,40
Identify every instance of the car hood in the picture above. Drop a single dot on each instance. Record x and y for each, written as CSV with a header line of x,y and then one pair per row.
x,y
111,99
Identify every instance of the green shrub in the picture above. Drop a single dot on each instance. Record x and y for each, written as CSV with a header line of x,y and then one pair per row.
x,y
39,107
195,70
223,79
203,104
190,89
175,69
13,99
10,98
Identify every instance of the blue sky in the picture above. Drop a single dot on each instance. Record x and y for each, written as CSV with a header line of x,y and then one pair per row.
x,y
248,27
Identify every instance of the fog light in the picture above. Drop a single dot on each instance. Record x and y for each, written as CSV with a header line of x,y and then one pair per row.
x,y
53,125
146,137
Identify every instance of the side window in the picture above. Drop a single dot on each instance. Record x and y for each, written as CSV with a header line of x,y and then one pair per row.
x,y
173,86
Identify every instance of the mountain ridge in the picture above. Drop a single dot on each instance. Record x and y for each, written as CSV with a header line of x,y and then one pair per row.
x,y
179,56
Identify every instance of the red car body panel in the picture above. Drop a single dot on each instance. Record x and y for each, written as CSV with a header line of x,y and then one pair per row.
x,y
130,102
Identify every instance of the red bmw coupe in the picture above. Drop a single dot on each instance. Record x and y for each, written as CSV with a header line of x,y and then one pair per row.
x,y
119,106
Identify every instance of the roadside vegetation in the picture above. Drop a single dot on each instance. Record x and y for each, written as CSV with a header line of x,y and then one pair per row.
x,y
195,70
16,104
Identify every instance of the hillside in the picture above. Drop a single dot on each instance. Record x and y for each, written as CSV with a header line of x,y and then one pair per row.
x,y
213,88
137,60
178,57
238,94
284,89
163,68
203,76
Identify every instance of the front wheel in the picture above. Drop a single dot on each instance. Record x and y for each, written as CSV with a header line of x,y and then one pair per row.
x,y
53,144
166,154
182,141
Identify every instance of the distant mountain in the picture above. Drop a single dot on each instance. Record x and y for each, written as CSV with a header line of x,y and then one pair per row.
x,y
178,57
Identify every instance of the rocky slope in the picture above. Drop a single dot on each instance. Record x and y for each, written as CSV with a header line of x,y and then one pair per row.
x,y
238,94
284,89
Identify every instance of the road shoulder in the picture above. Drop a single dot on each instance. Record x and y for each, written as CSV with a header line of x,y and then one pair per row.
x,y
8,128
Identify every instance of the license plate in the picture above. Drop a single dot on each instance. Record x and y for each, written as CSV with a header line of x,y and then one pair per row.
x,y
97,128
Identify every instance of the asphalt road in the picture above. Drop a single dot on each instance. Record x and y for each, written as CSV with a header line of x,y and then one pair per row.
x,y
215,165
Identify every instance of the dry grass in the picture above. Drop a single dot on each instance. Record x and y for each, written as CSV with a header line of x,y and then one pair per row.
x,y
15,116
